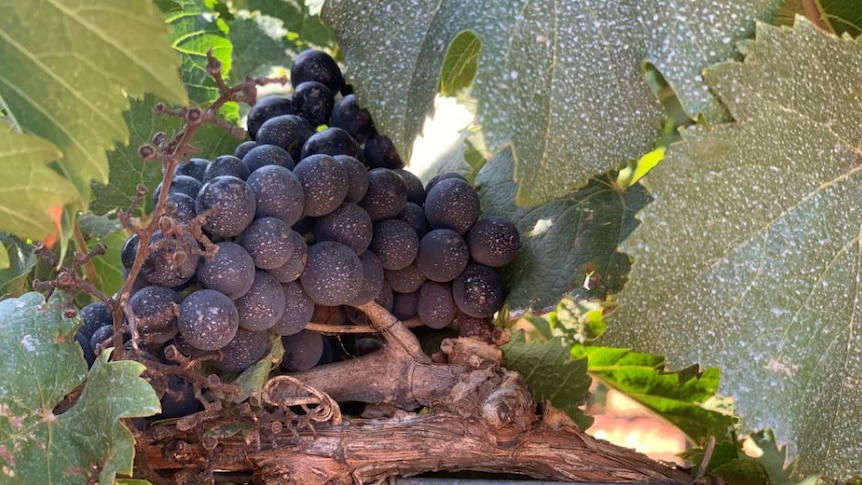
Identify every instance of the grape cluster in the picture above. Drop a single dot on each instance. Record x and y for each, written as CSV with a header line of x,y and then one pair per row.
x,y
312,216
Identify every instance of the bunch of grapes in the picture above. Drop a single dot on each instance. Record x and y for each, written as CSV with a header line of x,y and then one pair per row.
x,y
311,217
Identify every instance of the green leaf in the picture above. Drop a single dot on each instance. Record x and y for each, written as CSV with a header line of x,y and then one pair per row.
x,y
561,81
563,241
252,380
14,278
843,16
42,363
194,31
32,189
69,65
774,458
305,30
109,266
675,396
551,374
5,263
128,170
259,42
749,258
460,63
94,226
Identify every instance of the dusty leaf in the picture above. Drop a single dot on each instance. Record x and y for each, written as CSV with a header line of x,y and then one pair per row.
x,y
561,81
564,241
42,363
749,259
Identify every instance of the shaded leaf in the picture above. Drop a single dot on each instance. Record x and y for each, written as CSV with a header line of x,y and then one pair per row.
x,y
109,266
675,396
93,226
252,380
561,81
843,16
551,374
563,241
259,43
31,188
70,87
301,19
749,257
128,170
41,363
14,278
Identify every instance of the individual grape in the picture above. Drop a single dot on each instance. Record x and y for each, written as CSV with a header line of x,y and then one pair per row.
x,y
287,131
380,152
233,203
349,224
357,177
262,305
130,251
182,184
179,399
277,193
263,155
243,351
293,268
333,274
313,101
298,310
172,262
443,255
331,141
348,116
494,241
230,270
316,65
101,339
208,319
266,108
407,279
372,279
328,354
181,207
452,204
93,316
384,298
472,327
195,167
439,177
405,305
478,291
386,196
155,309
269,241
243,148
415,189
226,165
414,215
302,351
324,182
395,242
436,307
188,349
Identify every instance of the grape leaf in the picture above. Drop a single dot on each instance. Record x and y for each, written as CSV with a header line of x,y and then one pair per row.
x,y
675,396
551,374
32,189
194,31
70,87
5,263
109,266
460,63
305,30
127,168
749,257
563,241
14,278
41,363
561,81
259,42
842,16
